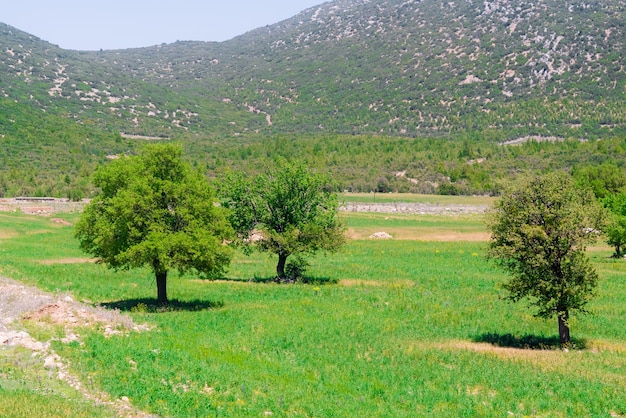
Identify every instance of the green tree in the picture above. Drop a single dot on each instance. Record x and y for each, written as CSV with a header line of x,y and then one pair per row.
x,y
603,180
616,226
293,210
540,228
154,210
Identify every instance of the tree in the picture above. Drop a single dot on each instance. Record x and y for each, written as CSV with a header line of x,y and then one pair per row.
x,y
616,226
294,211
603,180
154,210
540,228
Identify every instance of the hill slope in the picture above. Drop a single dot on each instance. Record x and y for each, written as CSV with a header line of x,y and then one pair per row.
x,y
483,72
414,68
400,67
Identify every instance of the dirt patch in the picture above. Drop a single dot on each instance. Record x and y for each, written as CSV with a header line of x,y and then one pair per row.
x,y
144,137
73,315
60,221
45,309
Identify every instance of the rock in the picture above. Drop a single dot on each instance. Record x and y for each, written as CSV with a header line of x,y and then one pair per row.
x,y
381,235
51,363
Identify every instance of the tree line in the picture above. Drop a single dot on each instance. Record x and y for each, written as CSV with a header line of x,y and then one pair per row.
x,y
156,210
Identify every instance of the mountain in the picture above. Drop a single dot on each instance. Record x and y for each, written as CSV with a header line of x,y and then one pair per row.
x,y
493,70
398,67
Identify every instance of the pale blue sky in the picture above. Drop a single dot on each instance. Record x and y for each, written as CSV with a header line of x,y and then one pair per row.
x,y
113,24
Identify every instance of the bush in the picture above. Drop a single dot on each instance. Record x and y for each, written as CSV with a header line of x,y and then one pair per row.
x,y
296,268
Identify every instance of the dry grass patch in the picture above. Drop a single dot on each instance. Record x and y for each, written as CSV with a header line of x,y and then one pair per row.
x,y
69,260
534,356
548,360
588,363
598,346
420,234
8,234
72,315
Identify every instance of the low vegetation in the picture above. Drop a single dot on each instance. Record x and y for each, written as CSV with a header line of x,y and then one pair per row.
x,y
411,326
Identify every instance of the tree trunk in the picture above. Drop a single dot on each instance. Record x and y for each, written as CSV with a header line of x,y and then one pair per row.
x,y
280,267
161,279
564,337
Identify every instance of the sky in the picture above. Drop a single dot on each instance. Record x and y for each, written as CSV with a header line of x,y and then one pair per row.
x,y
119,24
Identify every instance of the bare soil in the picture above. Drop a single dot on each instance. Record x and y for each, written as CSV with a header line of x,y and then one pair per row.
x,y
19,302
415,208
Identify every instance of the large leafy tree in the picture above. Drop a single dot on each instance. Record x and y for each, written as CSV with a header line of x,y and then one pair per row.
x,y
154,210
293,210
604,180
540,228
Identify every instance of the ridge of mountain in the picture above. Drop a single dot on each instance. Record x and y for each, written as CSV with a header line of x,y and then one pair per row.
x,y
397,67
345,85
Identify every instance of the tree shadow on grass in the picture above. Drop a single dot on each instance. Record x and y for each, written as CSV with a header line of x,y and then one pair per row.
x,y
526,342
273,279
150,305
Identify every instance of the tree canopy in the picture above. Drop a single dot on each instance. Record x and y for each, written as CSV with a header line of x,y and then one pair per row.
x,y
154,210
540,228
293,210
604,180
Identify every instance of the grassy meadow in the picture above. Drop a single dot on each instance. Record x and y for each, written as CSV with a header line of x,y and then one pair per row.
x,y
412,326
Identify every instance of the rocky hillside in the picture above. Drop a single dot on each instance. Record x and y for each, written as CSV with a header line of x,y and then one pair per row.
x,y
502,68
426,67
342,85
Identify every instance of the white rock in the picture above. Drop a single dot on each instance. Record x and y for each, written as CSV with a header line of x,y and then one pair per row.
x,y
50,363
380,235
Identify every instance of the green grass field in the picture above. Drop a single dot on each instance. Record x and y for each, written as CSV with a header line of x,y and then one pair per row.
x,y
412,326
